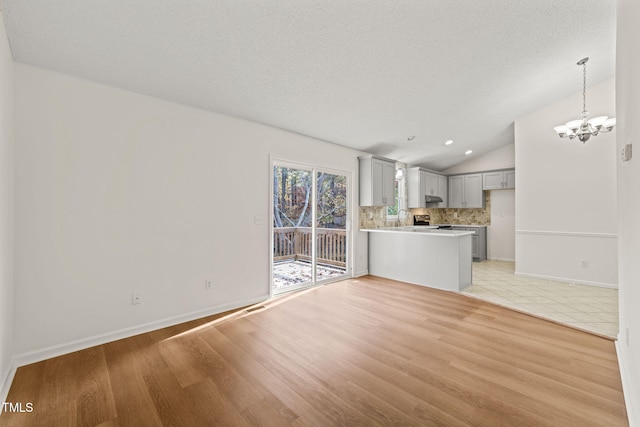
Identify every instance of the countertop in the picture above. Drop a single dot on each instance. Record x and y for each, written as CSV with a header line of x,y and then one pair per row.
x,y
430,230
460,225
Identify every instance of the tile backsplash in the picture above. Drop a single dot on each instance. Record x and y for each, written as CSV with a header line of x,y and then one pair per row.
x,y
376,216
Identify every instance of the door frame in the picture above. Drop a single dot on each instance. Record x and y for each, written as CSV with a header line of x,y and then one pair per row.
x,y
315,169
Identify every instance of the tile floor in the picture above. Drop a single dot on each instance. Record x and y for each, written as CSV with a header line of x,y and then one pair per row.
x,y
589,308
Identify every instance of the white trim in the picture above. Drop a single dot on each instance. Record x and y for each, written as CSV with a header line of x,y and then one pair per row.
x,y
631,396
568,234
361,273
34,356
5,385
567,280
501,259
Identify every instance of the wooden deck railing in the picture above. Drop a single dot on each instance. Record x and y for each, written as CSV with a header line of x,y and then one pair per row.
x,y
295,243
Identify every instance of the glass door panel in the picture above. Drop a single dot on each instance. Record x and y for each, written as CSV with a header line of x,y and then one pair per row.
x,y
292,228
331,226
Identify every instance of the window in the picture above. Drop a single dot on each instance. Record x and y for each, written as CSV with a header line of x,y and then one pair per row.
x,y
400,204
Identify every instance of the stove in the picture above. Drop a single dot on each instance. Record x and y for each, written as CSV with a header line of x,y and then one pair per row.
x,y
421,219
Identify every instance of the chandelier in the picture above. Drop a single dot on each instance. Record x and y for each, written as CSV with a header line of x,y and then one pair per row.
x,y
583,128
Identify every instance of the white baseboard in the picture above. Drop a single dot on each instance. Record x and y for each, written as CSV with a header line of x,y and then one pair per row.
x,y
60,349
631,396
7,379
360,273
502,259
566,280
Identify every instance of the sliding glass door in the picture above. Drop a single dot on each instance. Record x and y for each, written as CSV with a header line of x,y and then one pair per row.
x,y
309,227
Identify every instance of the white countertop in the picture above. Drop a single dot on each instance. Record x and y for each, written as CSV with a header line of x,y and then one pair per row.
x,y
428,230
460,225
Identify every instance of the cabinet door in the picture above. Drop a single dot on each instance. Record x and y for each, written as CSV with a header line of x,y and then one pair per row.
x,y
475,247
423,188
510,179
472,191
456,185
413,189
431,184
377,182
388,184
493,180
442,190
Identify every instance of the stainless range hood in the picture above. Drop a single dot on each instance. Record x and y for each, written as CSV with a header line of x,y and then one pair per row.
x,y
432,199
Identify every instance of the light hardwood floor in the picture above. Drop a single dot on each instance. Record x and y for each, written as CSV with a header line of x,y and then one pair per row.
x,y
365,351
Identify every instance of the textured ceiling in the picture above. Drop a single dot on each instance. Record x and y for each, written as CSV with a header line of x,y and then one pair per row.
x,y
364,74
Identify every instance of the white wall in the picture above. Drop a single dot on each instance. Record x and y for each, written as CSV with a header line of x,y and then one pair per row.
x,y
502,158
6,210
566,209
628,106
501,234
118,192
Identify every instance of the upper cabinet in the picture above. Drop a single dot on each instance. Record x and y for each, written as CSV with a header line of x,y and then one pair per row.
x,y
377,181
443,184
431,180
421,183
465,191
499,180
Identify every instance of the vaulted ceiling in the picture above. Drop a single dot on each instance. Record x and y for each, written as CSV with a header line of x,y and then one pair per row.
x,y
364,74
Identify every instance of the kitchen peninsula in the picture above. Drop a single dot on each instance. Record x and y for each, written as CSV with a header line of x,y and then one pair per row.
x,y
424,256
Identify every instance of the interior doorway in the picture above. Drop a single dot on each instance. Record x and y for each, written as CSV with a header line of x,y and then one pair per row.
x,y
309,226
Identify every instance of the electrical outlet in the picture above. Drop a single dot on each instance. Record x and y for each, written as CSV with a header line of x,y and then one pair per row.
x,y
207,284
258,220
136,298
584,264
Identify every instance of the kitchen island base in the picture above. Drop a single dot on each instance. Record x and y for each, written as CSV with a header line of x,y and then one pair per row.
x,y
439,261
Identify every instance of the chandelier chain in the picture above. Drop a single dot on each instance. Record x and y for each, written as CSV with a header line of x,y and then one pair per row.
x,y
584,88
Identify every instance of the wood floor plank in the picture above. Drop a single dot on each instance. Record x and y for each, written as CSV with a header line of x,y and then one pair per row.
x,y
95,401
366,351
127,369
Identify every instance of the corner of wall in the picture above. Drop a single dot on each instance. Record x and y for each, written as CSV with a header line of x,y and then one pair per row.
x,y
7,368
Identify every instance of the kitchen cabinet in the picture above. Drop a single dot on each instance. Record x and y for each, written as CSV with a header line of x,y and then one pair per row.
x,y
465,191
510,179
377,181
420,183
431,187
479,241
499,180
443,184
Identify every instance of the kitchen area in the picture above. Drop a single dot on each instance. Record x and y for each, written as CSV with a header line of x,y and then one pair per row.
x,y
440,227
456,232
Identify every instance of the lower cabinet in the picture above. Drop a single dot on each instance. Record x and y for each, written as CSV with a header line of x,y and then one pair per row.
x,y
479,241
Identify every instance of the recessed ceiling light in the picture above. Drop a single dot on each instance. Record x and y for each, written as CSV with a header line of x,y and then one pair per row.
x,y
449,142
466,153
